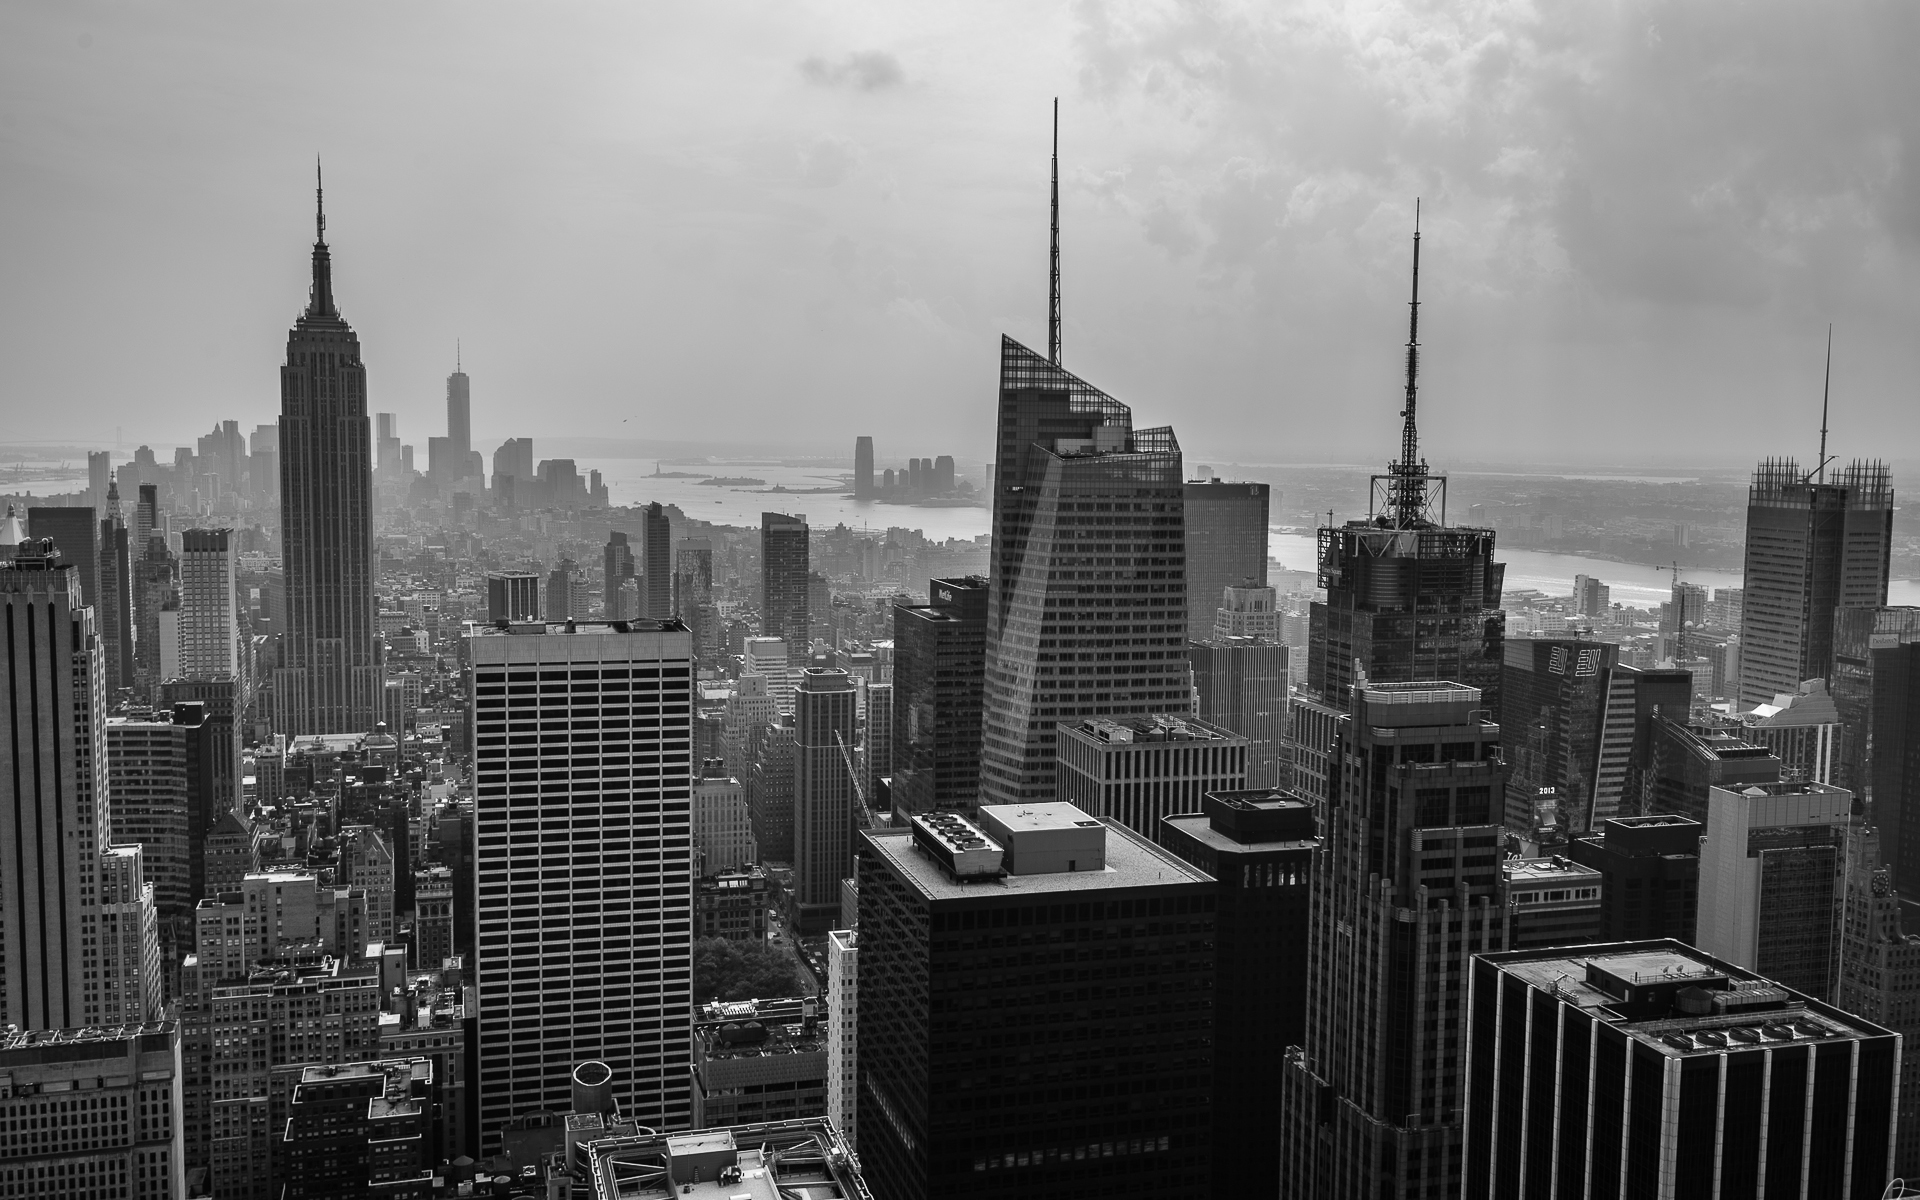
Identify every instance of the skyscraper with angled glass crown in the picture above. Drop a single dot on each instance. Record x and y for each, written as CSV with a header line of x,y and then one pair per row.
x,y
329,679
1087,605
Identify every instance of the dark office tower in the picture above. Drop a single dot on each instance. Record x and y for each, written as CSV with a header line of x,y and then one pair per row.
x,y
619,950
214,768
1880,975
114,608
823,795
1634,698
1407,888
616,569
863,468
146,516
1088,551
1813,547
783,581
943,474
656,579
76,532
513,596
1553,708
1242,683
1408,597
459,420
54,826
154,584
939,663
329,679
961,1092
561,590
387,442
1653,1069
1226,546
149,803
1876,687
1686,761
1650,876
770,752
1259,844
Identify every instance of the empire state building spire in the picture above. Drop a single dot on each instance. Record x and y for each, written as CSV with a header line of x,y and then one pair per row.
x,y
320,300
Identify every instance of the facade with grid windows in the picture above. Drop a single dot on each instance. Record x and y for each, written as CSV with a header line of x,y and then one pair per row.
x,y
1034,1009
1138,770
91,1114
583,771
1087,595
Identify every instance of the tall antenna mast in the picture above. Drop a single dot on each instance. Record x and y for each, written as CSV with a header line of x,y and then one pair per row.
x,y
1826,392
1409,492
319,203
1053,267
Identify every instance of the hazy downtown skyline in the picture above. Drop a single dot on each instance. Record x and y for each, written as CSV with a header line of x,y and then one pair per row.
x,y
792,224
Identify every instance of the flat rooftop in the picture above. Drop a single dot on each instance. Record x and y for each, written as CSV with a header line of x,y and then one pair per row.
x,y
1548,870
1132,862
1151,729
778,1160
1675,985
575,628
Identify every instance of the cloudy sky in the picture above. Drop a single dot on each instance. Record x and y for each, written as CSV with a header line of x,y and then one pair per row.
x,y
788,223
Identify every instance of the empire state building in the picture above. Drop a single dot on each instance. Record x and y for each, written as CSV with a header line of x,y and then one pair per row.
x,y
329,679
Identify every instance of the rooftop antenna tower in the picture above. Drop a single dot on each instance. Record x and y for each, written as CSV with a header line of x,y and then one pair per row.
x,y
1053,257
1411,492
1826,393
319,203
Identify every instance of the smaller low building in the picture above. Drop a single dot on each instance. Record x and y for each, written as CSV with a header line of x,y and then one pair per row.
x,y
362,1129
1551,902
767,1161
92,1114
731,905
1140,769
760,1070
1649,875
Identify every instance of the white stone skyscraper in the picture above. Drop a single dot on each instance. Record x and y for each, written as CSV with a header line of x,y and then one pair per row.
x,y
584,876
61,967
209,623
329,679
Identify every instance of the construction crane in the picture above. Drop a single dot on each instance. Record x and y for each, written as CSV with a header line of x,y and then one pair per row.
x,y
865,813
1679,614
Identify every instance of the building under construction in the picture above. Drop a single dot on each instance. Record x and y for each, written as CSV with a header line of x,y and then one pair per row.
x,y
1814,546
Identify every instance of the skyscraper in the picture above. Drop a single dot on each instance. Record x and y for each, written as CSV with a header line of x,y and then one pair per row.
x,y
149,804
76,532
616,569
1226,526
1408,597
513,596
1138,770
823,795
209,626
1877,690
1634,698
783,581
616,986
1553,709
1652,870
1770,880
939,660
1880,975
863,468
1089,544
968,1086
55,826
1812,547
1259,844
656,572
459,419
1406,889
387,442
329,680
1653,1069
114,608
1243,686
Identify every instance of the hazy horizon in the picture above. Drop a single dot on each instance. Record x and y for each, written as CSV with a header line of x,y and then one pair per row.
x,y
816,221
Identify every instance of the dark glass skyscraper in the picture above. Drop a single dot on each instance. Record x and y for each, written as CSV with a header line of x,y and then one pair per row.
x,y
1812,548
1553,708
329,680
783,582
1226,527
656,566
1087,608
939,659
